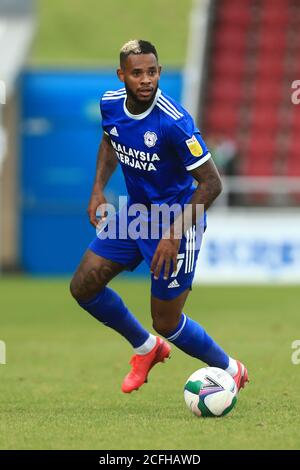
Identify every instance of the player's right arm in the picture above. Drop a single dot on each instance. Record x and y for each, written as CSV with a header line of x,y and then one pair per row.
x,y
106,165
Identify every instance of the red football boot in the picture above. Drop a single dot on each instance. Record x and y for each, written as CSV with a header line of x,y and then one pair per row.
x,y
241,377
143,363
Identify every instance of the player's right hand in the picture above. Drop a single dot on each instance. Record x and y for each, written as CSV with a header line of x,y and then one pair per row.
x,y
97,199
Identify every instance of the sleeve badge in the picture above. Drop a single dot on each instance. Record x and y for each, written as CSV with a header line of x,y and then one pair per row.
x,y
194,146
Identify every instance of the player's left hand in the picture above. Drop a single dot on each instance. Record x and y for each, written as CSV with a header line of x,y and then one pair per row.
x,y
165,254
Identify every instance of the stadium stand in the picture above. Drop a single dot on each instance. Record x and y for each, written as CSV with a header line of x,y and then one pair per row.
x,y
252,55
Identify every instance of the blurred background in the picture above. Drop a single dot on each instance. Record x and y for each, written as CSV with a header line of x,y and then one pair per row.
x,y
232,64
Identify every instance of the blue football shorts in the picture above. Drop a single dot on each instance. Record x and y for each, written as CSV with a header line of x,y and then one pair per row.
x,y
130,252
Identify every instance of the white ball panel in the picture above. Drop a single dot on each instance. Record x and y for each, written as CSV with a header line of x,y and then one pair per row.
x,y
219,401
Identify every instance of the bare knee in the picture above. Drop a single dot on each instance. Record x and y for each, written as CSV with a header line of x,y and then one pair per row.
x,y
78,290
164,325
166,314
92,275
85,286
73,288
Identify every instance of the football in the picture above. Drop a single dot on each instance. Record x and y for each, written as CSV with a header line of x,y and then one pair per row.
x,y
210,392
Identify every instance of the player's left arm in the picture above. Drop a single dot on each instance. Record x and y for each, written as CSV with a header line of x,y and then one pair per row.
x,y
209,185
208,189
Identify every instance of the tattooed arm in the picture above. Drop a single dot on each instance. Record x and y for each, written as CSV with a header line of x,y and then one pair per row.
x,y
209,184
209,187
106,165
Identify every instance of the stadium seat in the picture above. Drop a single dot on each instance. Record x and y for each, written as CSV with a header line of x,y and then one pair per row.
x,y
228,39
266,91
272,40
227,90
293,165
275,16
293,156
235,3
222,118
228,66
270,67
264,117
260,155
293,44
295,120
235,14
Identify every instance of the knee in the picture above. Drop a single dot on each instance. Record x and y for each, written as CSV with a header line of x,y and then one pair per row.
x,y
164,325
82,292
75,288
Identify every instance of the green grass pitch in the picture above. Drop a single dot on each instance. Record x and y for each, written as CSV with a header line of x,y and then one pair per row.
x,y
60,387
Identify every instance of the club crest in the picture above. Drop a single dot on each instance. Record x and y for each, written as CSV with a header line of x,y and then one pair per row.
x,y
150,139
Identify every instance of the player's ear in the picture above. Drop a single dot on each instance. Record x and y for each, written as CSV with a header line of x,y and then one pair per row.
x,y
120,74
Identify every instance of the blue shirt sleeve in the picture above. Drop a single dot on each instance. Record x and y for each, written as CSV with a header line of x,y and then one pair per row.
x,y
187,143
103,117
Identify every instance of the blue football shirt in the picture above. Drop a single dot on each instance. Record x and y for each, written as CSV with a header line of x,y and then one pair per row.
x,y
156,149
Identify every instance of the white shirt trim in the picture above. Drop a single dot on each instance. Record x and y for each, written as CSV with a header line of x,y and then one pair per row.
x,y
200,162
161,106
145,113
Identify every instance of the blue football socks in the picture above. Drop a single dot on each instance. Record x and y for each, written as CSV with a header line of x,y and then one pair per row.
x,y
191,338
108,307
